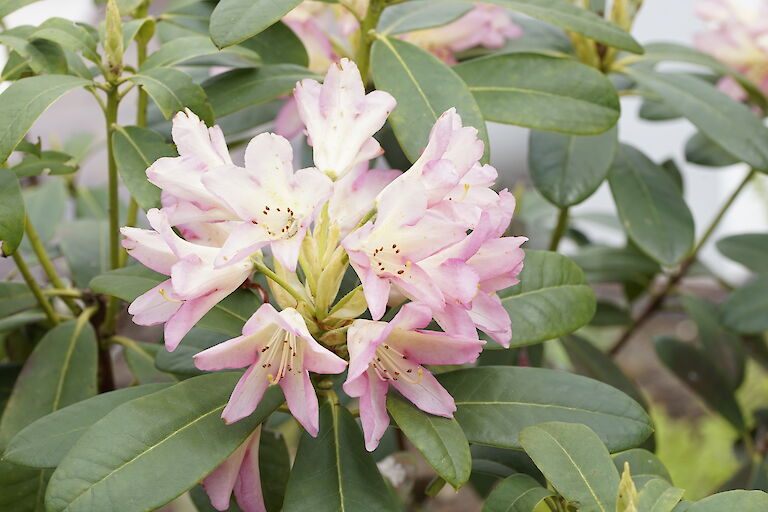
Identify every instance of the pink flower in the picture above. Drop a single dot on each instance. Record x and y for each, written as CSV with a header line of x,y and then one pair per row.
x,y
195,285
737,35
278,349
239,473
341,119
383,354
275,204
485,25
354,195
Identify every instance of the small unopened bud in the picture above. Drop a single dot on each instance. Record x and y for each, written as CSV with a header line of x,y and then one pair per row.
x,y
113,41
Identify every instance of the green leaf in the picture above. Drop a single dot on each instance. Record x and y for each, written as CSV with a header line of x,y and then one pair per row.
x,y
695,369
49,162
183,49
553,298
715,114
643,465
440,440
133,29
333,472
278,44
69,35
175,436
85,245
46,208
743,501
234,21
420,14
494,403
594,363
744,310
653,110
181,361
42,56
526,89
516,493
701,150
238,89
45,442
576,462
749,249
140,357
23,488
651,207
173,90
25,100
274,469
424,88
575,19
658,496
724,348
12,214
14,297
136,149
609,314
567,169
8,6
61,371
226,317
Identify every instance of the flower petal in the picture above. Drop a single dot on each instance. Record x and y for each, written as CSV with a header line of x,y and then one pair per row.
x,y
247,394
301,399
155,306
427,394
219,484
248,485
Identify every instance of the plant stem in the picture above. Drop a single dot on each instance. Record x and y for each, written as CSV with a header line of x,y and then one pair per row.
x,y
261,267
35,288
66,292
110,115
47,265
557,234
658,299
372,15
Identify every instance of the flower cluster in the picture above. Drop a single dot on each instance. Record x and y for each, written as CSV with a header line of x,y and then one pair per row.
x,y
737,35
428,241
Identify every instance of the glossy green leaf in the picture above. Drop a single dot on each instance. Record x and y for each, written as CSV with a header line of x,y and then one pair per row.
x,y
140,357
516,493
173,90
42,55
234,21
85,245
724,348
716,115
553,298
278,44
749,249
49,162
333,472
45,442
651,207
69,35
576,462
25,100
60,371
695,369
658,496
419,15
440,440
12,212
643,465
744,310
591,362
701,150
227,317
743,501
494,403
575,19
23,488
567,169
175,436
136,28
274,469
527,89
8,6
181,361
238,89
135,150
424,88
14,297
183,49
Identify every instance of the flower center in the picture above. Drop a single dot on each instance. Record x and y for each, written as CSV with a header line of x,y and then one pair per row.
x,y
281,356
385,260
279,222
391,364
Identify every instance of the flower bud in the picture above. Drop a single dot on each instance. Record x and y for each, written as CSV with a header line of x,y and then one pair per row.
x,y
113,41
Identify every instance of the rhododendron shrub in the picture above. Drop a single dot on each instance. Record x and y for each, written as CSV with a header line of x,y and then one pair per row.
x,y
309,284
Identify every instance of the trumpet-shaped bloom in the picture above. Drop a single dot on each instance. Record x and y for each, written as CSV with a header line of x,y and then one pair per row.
x,y
354,195
239,473
392,354
195,285
388,251
275,204
277,349
341,119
